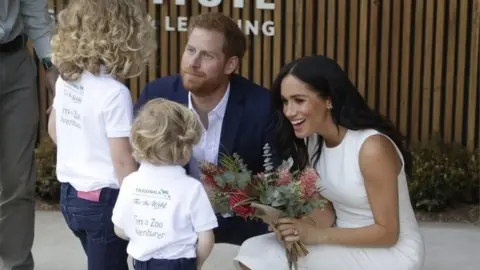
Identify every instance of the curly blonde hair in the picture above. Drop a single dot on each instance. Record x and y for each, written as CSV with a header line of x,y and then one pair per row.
x,y
116,34
165,132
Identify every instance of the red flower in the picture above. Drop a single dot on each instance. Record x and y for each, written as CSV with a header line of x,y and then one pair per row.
x,y
308,182
208,172
236,201
209,181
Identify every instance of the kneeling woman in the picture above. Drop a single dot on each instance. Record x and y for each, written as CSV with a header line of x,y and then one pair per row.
x,y
363,167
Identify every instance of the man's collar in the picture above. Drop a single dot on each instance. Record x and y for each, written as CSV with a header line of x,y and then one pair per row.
x,y
221,107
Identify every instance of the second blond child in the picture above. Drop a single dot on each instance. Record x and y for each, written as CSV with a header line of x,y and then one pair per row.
x,y
164,213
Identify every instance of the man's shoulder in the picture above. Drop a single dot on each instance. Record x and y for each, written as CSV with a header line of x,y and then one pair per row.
x,y
255,96
250,88
164,85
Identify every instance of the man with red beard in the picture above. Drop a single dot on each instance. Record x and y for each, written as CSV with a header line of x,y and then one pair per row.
x,y
234,111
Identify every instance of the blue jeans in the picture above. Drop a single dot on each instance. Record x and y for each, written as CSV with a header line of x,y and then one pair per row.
x,y
91,223
156,264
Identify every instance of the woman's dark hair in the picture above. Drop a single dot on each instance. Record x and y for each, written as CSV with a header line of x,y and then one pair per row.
x,y
349,110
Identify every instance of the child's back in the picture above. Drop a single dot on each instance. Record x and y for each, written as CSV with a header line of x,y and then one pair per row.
x,y
166,214
89,111
168,208
92,114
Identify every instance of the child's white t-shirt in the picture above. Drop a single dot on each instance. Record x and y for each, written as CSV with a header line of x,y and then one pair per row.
x,y
161,209
89,112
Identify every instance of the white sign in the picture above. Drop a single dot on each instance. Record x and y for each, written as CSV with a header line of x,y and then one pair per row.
x,y
254,27
259,4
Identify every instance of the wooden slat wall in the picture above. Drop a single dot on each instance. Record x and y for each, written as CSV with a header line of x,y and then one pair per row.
x,y
416,61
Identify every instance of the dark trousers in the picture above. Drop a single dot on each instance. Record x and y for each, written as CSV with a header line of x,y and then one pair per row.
x,y
18,131
155,264
91,223
235,230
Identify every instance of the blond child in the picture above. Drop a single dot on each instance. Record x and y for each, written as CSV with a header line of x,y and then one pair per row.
x,y
165,213
97,43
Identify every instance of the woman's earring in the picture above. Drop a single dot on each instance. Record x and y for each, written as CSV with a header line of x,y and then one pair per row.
x,y
329,106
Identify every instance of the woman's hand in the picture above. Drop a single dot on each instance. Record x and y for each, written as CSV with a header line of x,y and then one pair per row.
x,y
291,230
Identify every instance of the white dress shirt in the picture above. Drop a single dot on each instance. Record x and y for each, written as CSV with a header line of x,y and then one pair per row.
x,y
208,147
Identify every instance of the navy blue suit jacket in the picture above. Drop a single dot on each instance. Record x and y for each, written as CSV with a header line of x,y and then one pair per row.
x,y
247,126
248,122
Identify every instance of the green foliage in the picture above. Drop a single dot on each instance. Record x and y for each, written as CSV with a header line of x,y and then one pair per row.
x,y
47,186
473,169
233,163
232,184
441,175
232,180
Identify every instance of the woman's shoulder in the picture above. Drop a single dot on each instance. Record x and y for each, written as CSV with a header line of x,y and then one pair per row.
x,y
362,134
374,142
357,138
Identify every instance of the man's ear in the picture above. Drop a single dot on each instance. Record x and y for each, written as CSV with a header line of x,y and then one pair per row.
x,y
231,65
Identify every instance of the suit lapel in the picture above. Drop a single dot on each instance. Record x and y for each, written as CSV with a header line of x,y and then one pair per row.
x,y
232,119
180,95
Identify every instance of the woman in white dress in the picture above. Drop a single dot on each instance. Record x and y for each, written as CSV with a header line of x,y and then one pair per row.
x,y
363,166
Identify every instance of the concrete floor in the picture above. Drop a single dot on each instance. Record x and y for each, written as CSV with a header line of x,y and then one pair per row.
x,y
448,246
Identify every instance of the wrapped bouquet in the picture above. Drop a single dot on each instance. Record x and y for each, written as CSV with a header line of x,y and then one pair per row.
x,y
274,193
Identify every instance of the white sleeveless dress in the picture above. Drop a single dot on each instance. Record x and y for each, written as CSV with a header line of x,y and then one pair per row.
x,y
343,185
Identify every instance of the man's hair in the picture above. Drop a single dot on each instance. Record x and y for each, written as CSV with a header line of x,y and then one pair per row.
x,y
164,133
235,42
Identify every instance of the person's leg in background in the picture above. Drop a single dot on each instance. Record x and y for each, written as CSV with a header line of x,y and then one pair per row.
x,y
18,132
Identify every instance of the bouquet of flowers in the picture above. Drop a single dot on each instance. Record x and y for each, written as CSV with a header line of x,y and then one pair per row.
x,y
274,193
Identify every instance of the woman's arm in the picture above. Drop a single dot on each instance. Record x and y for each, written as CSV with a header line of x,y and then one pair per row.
x,y
52,128
322,218
380,165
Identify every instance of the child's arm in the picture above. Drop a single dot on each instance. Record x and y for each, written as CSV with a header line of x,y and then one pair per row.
x,y
118,118
120,233
121,153
204,221
52,127
206,241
